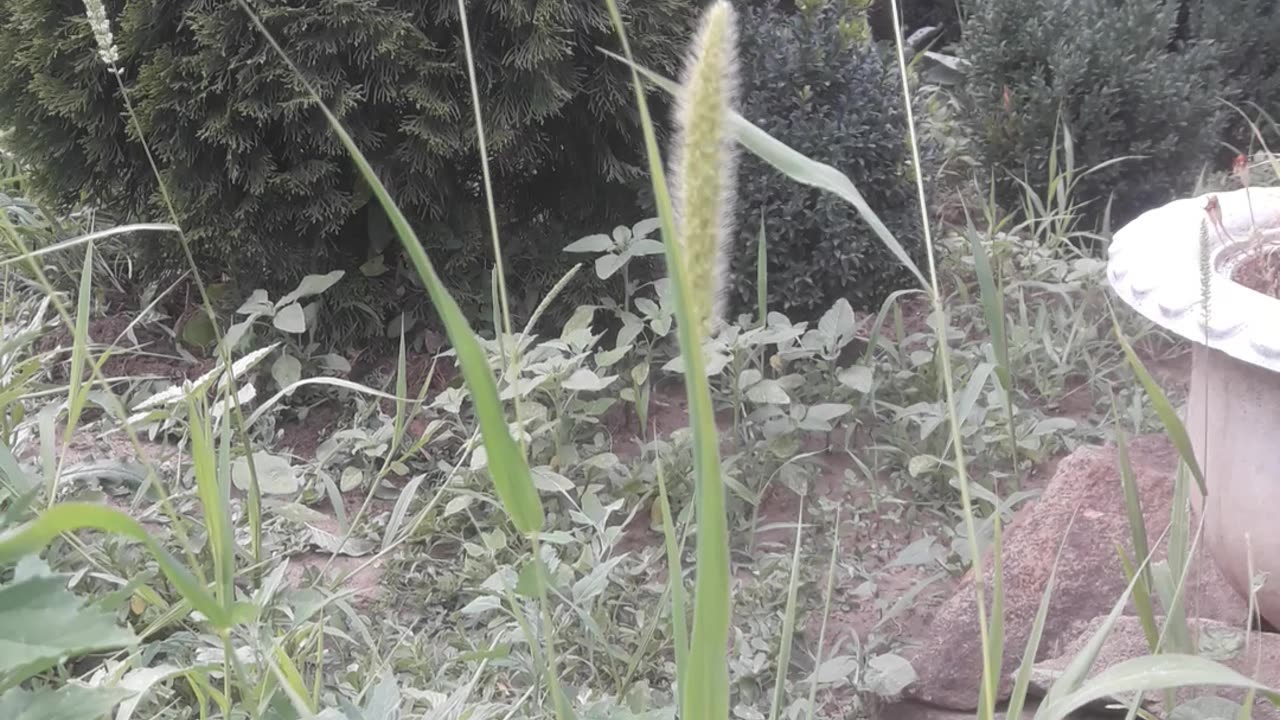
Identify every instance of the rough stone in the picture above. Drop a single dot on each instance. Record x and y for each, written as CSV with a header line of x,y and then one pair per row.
x,y
1256,657
1081,511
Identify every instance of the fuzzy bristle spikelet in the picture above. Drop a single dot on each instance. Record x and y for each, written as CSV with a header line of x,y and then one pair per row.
x,y
101,26
703,163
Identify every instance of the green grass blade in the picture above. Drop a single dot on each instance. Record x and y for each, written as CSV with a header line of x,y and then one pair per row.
x,y
1132,502
215,500
508,466
1142,589
503,328
706,692
1141,602
995,648
1168,416
762,274
31,537
992,306
1022,680
826,615
675,578
28,255
1153,672
76,394
788,620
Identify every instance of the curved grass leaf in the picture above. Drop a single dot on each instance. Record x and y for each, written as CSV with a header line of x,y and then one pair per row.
x,y
796,166
31,537
1160,402
705,693
507,464
1153,672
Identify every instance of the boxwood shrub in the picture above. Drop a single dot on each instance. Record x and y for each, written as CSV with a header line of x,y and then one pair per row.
x,y
1119,76
805,84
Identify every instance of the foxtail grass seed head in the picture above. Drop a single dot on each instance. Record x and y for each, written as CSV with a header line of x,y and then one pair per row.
x,y
704,163
107,50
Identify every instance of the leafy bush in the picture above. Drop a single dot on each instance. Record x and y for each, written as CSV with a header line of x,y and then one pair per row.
x,y
262,186
915,15
1247,33
1114,74
805,85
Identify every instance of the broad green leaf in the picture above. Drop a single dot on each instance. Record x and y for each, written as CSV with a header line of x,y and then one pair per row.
x,y
836,670
42,623
290,319
336,544
257,304
591,244
549,480
235,333
584,380
839,323
648,246
198,331
646,227
768,392
352,478
286,370
607,265
275,475
888,675
857,378
828,411
607,358
400,510
311,285
384,699
593,583
69,702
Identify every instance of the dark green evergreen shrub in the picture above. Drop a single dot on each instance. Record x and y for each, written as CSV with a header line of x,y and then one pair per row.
x,y
1247,34
841,104
265,191
1115,73
942,14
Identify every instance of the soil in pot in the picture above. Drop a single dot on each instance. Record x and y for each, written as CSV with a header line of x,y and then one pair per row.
x,y
1260,271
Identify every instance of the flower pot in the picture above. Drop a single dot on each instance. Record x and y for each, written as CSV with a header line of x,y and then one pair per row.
x,y
1157,265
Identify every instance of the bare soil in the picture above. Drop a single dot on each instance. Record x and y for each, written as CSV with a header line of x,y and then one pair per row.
x,y
1260,272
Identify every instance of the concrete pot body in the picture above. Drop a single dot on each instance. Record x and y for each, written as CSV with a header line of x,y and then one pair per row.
x,y
1233,412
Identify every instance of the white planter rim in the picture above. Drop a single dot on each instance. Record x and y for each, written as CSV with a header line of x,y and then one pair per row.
x,y
1154,265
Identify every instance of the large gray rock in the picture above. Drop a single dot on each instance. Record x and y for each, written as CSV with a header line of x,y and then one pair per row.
x,y
1090,577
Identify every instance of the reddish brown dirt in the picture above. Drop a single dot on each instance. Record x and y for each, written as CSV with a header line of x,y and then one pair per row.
x,y
1260,273
154,356
302,435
